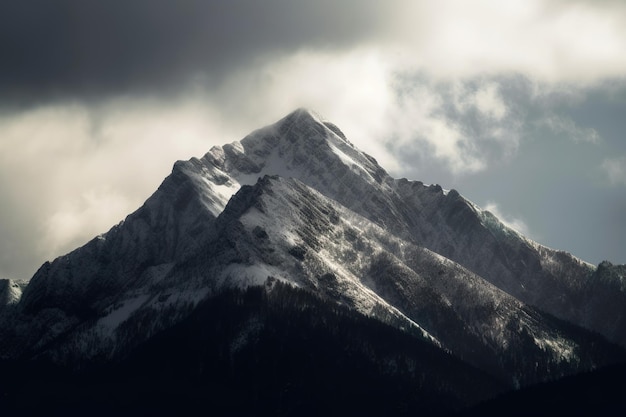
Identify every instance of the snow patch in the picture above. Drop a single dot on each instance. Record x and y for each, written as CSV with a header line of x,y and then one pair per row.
x,y
13,291
244,276
355,166
223,194
120,312
562,349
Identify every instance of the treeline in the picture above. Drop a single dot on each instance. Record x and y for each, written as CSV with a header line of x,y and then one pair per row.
x,y
274,350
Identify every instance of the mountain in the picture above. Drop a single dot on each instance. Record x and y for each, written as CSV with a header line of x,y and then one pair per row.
x,y
291,240
601,392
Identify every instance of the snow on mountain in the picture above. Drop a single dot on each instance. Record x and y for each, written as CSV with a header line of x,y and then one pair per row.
x,y
298,203
10,292
318,154
290,232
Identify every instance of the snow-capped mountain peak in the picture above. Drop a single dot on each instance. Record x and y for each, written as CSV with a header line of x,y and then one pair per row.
x,y
295,202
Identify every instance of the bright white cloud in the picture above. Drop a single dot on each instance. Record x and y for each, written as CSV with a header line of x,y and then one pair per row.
x,y
567,41
483,97
82,217
72,171
419,124
488,101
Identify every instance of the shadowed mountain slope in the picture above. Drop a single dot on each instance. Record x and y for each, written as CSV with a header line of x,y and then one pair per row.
x,y
296,206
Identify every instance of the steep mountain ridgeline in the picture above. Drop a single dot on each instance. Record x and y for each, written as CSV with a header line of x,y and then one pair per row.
x,y
108,271
295,202
304,147
282,229
171,225
450,225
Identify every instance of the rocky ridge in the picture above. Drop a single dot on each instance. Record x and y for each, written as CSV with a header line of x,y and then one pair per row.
x,y
296,202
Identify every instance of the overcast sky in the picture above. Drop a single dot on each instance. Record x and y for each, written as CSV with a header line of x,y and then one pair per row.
x,y
519,105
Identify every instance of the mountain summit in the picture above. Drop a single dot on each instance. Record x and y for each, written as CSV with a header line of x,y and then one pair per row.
x,y
294,218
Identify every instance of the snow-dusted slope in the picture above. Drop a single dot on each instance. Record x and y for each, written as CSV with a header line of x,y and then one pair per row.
x,y
282,229
297,202
10,292
318,154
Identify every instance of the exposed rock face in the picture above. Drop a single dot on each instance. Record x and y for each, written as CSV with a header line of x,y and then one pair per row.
x,y
298,203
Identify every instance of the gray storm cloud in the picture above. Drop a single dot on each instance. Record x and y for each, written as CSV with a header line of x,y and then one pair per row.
x,y
88,48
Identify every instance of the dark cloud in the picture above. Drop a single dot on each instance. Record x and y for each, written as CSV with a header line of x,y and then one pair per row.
x,y
92,47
